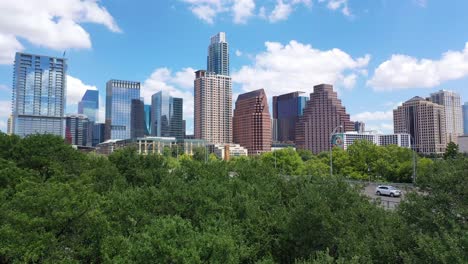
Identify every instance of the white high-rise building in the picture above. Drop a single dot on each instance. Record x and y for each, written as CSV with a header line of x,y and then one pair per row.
x,y
453,113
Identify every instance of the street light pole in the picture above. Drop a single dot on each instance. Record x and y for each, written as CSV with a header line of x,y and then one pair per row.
x,y
331,149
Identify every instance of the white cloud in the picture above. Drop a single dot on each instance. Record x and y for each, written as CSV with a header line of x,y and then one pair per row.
x,y
421,3
373,116
404,72
341,5
5,112
76,89
52,24
178,84
8,46
238,53
4,88
243,10
281,12
295,66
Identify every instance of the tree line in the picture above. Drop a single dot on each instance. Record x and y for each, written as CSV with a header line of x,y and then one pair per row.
x,y
58,205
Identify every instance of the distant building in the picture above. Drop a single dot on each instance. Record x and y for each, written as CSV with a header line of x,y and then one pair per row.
x,y
344,140
119,96
359,127
218,55
453,113
235,150
425,122
89,105
77,127
322,114
147,120
10,125
39,93
465,118
281,145
98,133
137,119
156,145
213,107
166,113
252,122
463,144
287,109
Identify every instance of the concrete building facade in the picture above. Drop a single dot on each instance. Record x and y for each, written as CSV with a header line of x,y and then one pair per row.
x,y
322,114
453,113
425,122
252,122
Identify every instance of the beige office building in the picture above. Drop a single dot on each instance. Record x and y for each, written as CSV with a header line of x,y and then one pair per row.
x,y
453,113
213,107
425,122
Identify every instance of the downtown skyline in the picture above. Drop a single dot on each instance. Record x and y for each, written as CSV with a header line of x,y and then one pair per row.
x,y
310,46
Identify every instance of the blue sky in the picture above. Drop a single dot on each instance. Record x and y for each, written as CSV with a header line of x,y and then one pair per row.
x,y
377,53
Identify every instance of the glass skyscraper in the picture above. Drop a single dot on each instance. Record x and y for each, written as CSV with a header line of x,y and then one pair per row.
x,y
147,120
287,109
89,105
39,92
137,119
119,96
166,114
218,55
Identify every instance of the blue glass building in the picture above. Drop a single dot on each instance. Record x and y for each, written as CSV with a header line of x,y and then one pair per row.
x,y
218,55
119,96
287,109
166,114
465,118
89,105
147,120
98,133
39,92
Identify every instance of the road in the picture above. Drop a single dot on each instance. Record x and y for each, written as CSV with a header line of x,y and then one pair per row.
x,y
387,201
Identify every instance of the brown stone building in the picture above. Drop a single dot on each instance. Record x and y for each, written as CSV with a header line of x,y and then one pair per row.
x,y
252,122
322,114
425,122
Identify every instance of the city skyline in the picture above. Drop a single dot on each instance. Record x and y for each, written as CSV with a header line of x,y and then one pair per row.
x,y
302,35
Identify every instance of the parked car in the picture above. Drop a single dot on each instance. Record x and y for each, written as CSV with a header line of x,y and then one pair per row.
x,y
387,190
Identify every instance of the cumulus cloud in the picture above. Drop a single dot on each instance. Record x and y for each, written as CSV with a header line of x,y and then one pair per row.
x,y
243,10
5,112
76,89
53,24
179,84
296,66
373,116
404,72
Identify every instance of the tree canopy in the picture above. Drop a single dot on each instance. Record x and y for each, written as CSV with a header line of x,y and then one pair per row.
x,y
58,205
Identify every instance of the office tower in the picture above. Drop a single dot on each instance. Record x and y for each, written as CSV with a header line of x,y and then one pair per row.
x,y
213,107
10,125
359,126
147,120
323,114
137,119
287,109
166,113
252,122
453,113
89,105
119,96
39,92
465,118
76,127
218,55
98,133
425,122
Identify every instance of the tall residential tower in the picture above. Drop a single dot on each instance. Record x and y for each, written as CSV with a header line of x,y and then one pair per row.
x,y
39,92
213,95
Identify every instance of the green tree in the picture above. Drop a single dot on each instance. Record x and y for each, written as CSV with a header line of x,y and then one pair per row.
x,y
452,151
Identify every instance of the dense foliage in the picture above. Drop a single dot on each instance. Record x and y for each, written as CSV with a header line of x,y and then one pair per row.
x,y
61,206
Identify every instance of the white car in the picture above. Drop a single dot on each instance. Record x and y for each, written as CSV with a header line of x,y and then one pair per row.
x,y
387,190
